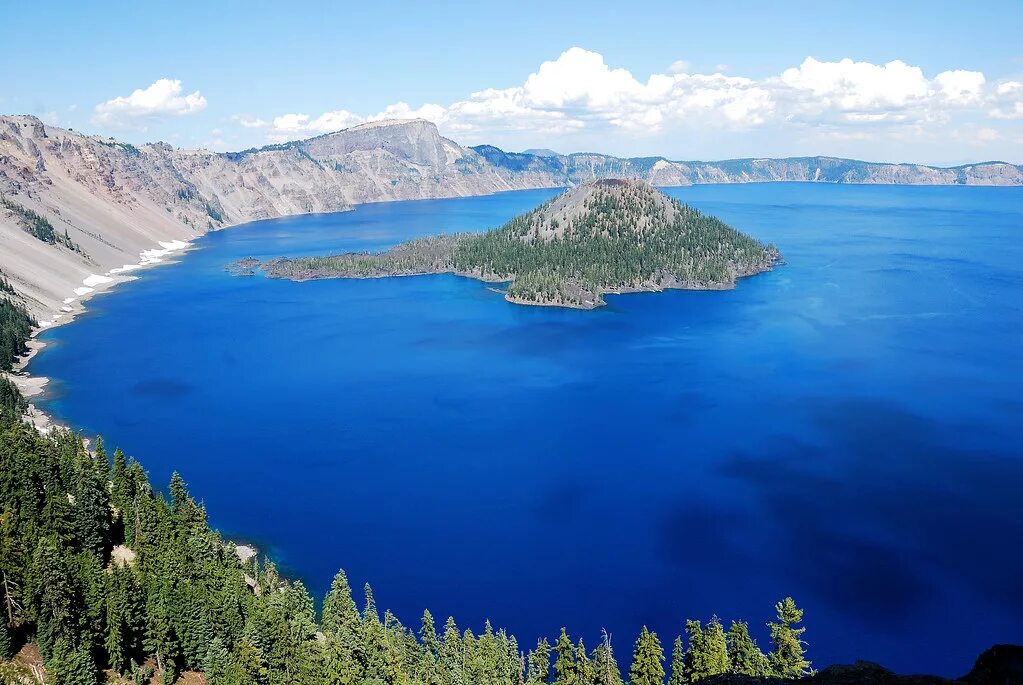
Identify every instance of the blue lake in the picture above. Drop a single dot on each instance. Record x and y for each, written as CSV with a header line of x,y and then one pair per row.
x,y
845,429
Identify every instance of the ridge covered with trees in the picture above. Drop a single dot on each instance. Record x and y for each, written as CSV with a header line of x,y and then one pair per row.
x,y
604,236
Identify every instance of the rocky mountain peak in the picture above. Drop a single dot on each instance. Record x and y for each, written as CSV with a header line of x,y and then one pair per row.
x,y
631,204
415,140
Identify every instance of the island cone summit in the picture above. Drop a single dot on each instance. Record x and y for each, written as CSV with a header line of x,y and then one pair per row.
x,y
603,236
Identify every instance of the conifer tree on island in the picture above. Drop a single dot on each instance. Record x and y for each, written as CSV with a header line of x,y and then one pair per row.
x,y
744,657
787,658
647,660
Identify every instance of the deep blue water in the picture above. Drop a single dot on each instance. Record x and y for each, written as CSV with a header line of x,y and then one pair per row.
x,y
845,429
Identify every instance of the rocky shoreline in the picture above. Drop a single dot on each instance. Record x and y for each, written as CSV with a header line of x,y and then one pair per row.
x,y
250,266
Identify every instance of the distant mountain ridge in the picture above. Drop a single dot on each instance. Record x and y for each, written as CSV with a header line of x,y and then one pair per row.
x,y
580,166
110,204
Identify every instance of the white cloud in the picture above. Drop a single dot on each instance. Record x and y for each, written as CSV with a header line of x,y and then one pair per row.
x,y
1008,101
987,134
402,110
249,122
960,86
579,96
291,126
161,99
579,90
679,66
857,86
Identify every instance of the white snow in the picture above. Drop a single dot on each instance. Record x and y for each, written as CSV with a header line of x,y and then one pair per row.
x,y
96,279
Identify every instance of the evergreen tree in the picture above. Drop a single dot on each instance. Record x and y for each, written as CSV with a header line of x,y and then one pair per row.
x,y
6,646
216,667
431,671
91,507
72,665
647,660
341,627
249,666
707,653
539,663
744,657
564,661
788,659
583,667
605,667
716,646
373,639
340,614
452,655
59,608
679,675
161,639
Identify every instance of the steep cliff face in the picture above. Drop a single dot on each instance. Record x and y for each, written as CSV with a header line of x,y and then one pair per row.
x,y
409,159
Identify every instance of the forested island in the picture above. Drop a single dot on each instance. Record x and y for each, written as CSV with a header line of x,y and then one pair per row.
x,y
600,237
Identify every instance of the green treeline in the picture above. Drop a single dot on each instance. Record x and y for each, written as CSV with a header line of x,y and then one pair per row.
x,y
38,225
625,234
15,328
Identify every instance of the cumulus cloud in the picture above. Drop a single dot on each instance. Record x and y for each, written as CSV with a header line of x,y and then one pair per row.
x,y
679,66
987,135
961,87
162,99
290,126
579,93
1008,101
249,122
856,86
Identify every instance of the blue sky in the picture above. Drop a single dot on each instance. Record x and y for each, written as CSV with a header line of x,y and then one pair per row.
x,y
930,82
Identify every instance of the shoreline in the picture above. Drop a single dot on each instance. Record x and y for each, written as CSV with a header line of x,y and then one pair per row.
x,y
30,385
489,280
